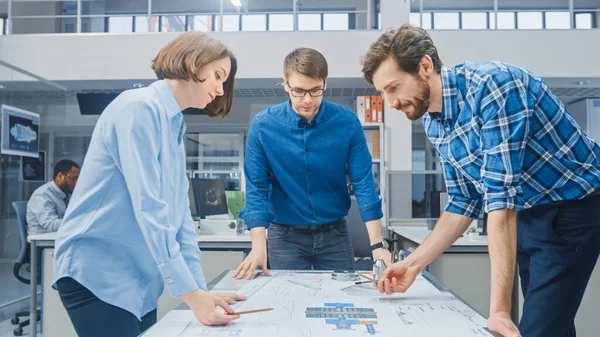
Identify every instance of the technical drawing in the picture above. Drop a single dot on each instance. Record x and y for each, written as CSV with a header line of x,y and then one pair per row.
x,y
344,316
366,289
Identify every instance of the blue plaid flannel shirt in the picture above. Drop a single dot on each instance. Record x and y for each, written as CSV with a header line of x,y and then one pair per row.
x,y
505,140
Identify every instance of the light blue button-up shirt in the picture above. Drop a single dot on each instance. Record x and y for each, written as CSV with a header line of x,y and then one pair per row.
x,y
46,209
128,228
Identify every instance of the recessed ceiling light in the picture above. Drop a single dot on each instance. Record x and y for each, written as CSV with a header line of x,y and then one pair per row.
x,y
581,82
279,84
138,85
2,87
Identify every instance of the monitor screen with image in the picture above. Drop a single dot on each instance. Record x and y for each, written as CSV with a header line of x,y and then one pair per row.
x,y
209,197
20,132
34,169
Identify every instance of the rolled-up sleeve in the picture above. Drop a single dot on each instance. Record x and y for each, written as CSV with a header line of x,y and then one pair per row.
x,y
463,197
138,137
505,114
360,166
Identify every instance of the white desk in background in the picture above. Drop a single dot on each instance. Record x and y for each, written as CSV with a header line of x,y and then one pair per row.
x,y
465,268
218,252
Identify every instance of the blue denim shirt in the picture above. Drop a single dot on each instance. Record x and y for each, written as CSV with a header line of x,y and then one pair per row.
x,y
296,171
128,228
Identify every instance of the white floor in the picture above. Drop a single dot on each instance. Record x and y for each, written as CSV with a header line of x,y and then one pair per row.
x,y
6,329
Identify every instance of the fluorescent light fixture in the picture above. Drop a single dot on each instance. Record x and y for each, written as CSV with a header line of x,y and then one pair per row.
x,y
236,3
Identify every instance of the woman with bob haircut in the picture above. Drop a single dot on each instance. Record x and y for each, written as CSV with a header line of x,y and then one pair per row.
x,y
128,230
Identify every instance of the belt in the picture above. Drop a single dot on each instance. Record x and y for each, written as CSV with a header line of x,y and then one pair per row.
x,y
314,228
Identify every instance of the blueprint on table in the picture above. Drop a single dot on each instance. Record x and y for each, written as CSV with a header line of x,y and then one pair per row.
x,y
314,305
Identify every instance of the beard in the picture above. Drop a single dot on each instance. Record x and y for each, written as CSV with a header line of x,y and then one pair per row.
x,y
306,113
420,102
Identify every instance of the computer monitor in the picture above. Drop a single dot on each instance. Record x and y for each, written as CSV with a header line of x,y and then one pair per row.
x,y
209,197
34,169
20,132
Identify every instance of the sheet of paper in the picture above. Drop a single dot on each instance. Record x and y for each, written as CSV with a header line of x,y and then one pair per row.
x,y
314,305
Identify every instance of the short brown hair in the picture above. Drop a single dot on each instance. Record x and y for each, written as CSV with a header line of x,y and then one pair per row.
x,y
306,61
407,45
183,58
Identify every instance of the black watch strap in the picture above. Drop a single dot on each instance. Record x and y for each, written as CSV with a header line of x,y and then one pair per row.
x,y
376,246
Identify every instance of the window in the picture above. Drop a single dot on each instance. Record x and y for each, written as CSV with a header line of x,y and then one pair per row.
x,y
254,23
474,20
172,23
215,156
506,20
335,21
231,23
201,23
120,24
280,22
141,24
445,20
309,21
2,27
426,24
415,19
583,20
529,20
558,20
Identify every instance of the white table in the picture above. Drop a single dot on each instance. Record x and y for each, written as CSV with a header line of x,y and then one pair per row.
x,y
229,249
445,296
464,267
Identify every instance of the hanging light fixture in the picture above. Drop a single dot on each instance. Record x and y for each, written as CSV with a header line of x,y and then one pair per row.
x,y
236,3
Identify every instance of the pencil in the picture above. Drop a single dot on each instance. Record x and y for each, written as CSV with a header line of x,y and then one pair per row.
x,y
365,276
250,311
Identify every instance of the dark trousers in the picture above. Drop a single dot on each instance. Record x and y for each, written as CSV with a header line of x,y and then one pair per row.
x,y
558,246
93,318
324,247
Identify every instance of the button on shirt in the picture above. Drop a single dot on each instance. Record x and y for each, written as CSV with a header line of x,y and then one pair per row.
x,y
46,209
128,229
296,171
506,140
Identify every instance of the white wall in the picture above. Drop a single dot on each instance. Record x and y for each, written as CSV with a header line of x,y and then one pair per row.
x,y
110,56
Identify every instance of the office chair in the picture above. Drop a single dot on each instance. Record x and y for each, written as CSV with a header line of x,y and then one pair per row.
x,y
22,260
363,257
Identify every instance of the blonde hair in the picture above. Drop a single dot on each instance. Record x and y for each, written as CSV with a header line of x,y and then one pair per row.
x,y
306,61
183,58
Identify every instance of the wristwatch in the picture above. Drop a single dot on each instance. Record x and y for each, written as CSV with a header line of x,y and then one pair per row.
x,y
383,244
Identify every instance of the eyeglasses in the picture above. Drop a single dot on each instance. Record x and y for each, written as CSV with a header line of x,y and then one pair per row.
x,y
70,177
297,92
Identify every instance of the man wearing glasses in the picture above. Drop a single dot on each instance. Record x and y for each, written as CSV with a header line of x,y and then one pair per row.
x,y
297,153
48,203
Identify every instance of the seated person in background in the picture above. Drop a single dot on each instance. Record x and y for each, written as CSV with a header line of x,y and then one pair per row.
x,y
47,205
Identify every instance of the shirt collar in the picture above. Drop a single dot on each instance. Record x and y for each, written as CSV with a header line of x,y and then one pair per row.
x,y
167,98
57,190
298,121
449,95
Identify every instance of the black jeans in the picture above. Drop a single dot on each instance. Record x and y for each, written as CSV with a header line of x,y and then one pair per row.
x,y
324,247
93,318
558,246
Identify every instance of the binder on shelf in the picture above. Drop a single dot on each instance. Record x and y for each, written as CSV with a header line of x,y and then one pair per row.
x,y
379,109
360,108
368,109
376,154
373,109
